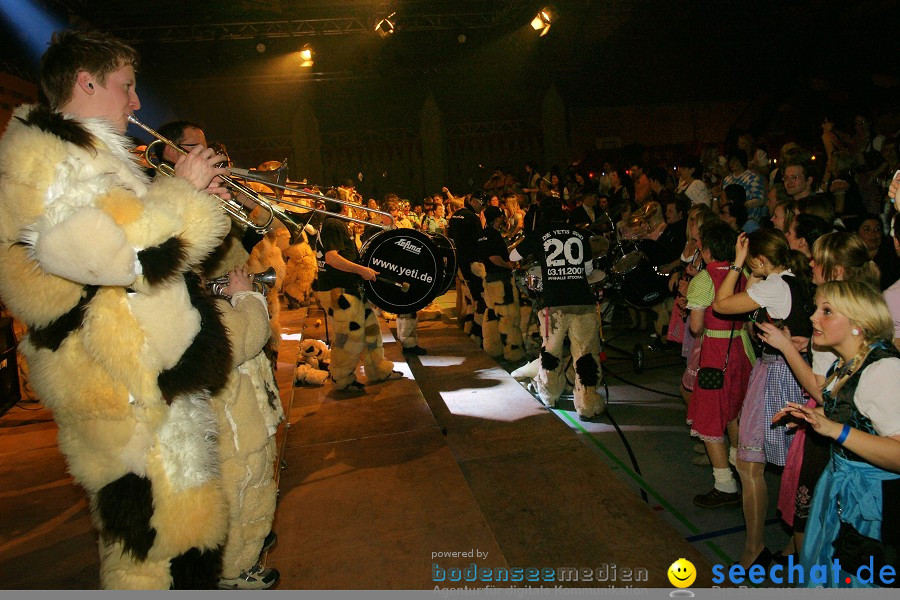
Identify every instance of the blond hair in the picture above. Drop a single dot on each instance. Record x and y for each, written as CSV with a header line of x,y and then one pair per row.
x,y
863,304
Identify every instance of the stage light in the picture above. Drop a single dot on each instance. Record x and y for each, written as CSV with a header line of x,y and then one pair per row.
x,y
307,55
260,47
385,26
543,20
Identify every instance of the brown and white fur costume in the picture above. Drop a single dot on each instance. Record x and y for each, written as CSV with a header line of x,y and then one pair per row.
x,y
124,345
248,410
579,324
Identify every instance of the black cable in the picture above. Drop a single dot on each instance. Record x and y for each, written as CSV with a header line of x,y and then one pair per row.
x,y
634,463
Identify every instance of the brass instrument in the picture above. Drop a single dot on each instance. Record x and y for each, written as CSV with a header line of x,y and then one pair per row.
x,y
277,181
262,283
236,210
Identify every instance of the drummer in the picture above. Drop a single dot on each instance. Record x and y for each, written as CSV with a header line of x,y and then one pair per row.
x,y
502,322
339,291
569,311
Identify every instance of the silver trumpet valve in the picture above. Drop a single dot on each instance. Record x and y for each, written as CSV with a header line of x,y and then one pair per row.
x,y
262,283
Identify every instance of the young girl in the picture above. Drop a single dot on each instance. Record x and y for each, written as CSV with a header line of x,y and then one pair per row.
x,y
780,285
726,345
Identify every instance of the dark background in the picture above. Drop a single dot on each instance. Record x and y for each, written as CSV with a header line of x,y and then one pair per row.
x,y
789,64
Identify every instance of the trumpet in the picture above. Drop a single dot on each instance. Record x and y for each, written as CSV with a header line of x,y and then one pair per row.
x,y
262,283
234,209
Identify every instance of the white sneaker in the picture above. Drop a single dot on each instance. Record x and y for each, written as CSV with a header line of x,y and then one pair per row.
x,y
257,578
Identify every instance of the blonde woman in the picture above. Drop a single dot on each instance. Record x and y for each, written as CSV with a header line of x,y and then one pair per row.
x,y
857,494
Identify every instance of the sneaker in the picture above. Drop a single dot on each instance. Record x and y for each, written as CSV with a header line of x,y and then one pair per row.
x,y
257,578
417,350
717,499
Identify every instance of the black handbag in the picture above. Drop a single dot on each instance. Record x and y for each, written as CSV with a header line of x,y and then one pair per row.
x,y
711,378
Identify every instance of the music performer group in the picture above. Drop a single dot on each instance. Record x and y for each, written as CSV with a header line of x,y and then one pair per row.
x,y
163,394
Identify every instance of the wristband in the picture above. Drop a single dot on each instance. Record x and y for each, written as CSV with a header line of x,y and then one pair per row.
x,y
844,433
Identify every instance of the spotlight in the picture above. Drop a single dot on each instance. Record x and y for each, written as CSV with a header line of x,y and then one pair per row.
x,y
260,47
543,20
307,55
385,26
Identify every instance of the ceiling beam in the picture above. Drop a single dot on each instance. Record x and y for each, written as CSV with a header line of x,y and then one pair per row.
x,y
299,28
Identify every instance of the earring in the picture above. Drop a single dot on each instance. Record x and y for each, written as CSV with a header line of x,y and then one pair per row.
x,y
854,331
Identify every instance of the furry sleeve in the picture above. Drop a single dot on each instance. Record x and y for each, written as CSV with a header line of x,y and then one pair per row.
x,y
248,327
201,222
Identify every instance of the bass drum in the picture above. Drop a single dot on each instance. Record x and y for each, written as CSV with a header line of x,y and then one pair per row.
x,y
447,252
410,268
643,286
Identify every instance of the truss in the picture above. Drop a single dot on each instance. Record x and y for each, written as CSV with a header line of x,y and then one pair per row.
x,y
299,28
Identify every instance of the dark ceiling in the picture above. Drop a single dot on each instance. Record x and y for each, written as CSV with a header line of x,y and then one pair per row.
x,y
609,52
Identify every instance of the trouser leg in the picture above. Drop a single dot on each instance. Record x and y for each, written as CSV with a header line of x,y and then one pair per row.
x,y
407,330
376,366
584,335
347,314
550,381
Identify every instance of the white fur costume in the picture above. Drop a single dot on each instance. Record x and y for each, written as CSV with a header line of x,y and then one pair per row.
x,y
123,345
357,334
579,323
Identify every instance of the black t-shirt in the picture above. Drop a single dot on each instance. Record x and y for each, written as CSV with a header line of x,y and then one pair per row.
x,y
562,252
672,239
464,228
335,235
491,243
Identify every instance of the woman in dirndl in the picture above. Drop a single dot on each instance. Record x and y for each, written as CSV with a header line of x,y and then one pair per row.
x,y
780,284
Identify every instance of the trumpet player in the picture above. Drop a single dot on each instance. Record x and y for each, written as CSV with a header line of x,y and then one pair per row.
x,y
248,409
124,346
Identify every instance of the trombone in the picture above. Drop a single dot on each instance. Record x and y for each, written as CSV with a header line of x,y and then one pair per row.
x,y
236,210
278,181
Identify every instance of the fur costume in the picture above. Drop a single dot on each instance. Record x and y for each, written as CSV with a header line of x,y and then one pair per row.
x,y
300,271
356,334
579,323
501,323
315,353
249,411
124,345
472,313
267,254
312,363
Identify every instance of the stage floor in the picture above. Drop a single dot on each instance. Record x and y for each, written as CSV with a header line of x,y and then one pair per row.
x,y
379,491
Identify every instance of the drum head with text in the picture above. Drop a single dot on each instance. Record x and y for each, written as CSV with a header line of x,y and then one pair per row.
x,y
405,259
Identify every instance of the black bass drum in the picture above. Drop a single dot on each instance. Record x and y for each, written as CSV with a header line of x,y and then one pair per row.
x,y
447,251
410,270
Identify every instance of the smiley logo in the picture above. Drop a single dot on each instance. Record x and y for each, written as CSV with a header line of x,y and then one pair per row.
x,y
682,573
